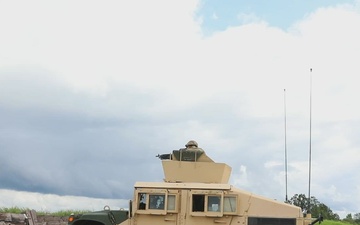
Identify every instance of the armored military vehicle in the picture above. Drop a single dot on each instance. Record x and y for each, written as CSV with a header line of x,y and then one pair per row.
x,y
195,191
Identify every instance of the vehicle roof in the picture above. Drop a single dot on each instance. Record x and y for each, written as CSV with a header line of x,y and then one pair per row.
x,y
211,186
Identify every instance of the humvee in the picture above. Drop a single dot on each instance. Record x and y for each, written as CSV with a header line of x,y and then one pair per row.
x,y
195,191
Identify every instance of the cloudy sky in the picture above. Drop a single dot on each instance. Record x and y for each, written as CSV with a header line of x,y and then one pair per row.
x,y
91,91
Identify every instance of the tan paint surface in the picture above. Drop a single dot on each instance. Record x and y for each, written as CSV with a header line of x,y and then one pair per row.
x,y
191,172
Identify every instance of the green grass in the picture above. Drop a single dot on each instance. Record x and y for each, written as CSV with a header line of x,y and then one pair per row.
x,y
17,210
334,222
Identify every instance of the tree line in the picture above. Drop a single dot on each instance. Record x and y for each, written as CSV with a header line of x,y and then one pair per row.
x,y
318,209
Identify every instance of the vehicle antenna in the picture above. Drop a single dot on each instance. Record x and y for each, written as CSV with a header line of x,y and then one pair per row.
x,y
309,196
286,190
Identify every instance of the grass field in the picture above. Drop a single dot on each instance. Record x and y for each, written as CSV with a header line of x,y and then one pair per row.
x,y
333,222
18,210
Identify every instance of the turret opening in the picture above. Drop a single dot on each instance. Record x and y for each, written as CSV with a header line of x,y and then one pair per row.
x,y
191,164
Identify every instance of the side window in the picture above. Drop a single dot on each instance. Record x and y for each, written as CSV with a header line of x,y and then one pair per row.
x,y
142,201
214,203
207,203
171,203
230,203
157,201
198,203
210,203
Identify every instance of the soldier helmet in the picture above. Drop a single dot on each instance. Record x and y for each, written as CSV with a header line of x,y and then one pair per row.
x,y
191,143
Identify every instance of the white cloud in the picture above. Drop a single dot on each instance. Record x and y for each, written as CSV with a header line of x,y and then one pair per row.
x,y
240,177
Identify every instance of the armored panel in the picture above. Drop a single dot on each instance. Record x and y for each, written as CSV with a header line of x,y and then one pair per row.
x,y
198,172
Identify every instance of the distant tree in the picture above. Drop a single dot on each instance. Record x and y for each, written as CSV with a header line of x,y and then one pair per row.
x,y
357,218
349,218
303,202
323,210
299,200
316,209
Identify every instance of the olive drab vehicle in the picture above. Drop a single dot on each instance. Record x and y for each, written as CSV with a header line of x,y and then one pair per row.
x,y
195,191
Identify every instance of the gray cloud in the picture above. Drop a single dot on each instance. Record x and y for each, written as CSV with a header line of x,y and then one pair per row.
x,y
89,152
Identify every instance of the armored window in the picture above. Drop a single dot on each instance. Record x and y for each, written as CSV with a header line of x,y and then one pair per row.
x,y
198,203
207,203
230,203
171,202
142,201
214,203
151,201
156,201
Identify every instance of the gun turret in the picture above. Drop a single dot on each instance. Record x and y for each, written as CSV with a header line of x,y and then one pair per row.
x,y
191,164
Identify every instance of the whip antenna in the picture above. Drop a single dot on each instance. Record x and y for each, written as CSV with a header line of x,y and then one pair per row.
x,y
310,141
286,190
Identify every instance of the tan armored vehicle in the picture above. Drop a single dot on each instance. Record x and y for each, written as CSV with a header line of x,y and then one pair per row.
x,y
196,191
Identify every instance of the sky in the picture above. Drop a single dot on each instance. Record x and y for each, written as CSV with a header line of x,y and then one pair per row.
x,y
91,92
